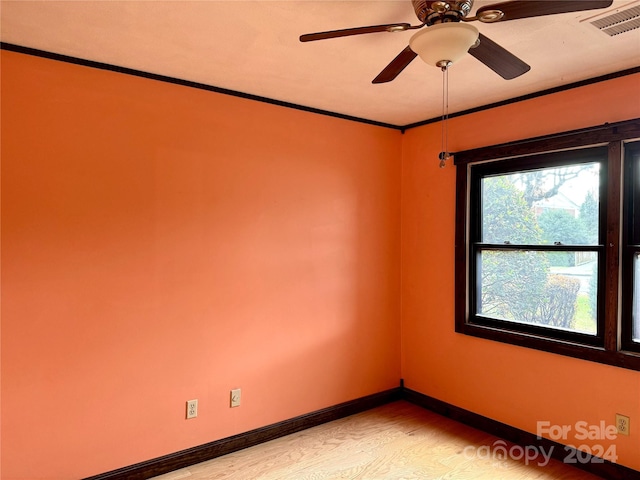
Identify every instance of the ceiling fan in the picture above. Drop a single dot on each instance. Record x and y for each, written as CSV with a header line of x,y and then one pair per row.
x,y
448,34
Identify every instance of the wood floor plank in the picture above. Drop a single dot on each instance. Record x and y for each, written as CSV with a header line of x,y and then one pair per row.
x,y
398,441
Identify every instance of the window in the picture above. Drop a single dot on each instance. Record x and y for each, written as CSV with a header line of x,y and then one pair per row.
x,y
631,250
548,243
535,244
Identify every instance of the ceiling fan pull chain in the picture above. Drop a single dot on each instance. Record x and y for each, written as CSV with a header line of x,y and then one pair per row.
x,y
444,154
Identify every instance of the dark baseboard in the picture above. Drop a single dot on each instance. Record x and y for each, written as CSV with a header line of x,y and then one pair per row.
x,y
201,453
208,451
588,463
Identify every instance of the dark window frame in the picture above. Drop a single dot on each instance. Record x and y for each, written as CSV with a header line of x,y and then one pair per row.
x,y
630,242
476,246
612,346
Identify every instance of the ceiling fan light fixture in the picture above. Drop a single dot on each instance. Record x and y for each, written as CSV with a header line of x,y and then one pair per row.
x,y
444,43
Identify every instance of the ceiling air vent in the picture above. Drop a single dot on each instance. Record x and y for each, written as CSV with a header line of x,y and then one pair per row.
x,y
619,22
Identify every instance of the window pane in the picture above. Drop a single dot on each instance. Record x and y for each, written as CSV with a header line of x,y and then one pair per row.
x,y
548,289
636,298
542,207
634,196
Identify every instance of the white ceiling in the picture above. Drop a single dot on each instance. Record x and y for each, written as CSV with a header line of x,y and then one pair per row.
x,y
253,47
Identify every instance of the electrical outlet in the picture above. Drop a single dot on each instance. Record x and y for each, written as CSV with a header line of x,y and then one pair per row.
x,y
192,408
234,398
622,424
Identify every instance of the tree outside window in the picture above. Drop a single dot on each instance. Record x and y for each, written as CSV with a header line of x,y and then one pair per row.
x,y
542,207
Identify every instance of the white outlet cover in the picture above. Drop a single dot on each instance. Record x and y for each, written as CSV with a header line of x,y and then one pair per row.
x,y
625,421
192,408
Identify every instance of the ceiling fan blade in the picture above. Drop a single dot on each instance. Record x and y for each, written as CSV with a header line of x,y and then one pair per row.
x,y
516,9
504,63
391,71
392,27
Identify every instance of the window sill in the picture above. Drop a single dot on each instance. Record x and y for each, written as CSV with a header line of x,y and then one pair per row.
x,y
620,358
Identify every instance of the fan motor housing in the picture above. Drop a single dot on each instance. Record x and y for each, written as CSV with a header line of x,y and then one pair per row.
x,y
439,11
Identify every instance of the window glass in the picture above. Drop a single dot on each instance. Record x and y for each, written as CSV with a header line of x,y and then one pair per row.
x,y
635,314
524,287
542,207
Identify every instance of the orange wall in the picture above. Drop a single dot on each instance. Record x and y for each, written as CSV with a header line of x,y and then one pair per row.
x,y
515,385
162,243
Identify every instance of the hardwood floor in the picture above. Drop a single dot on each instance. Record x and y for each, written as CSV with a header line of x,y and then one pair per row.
x,y
396,441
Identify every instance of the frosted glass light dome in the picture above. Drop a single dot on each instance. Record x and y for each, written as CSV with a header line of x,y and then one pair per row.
x,y
444,43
